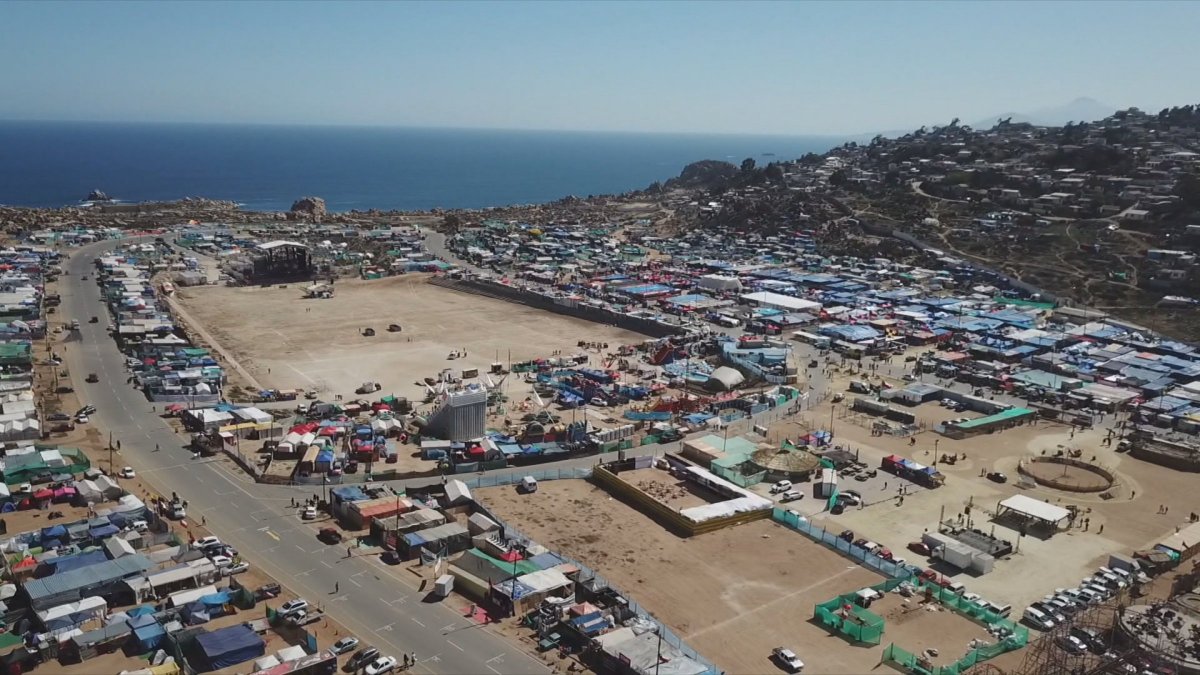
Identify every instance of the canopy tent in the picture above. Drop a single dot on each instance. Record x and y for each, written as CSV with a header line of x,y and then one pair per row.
x,y
230,646
1033,508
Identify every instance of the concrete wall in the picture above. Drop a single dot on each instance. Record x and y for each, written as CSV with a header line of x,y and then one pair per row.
x,y
559,306
671,519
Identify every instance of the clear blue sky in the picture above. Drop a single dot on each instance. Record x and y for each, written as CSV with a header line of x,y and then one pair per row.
x,y
790,68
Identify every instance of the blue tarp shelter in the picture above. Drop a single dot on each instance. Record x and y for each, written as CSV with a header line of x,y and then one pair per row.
x,y
230,646
147,632
103,532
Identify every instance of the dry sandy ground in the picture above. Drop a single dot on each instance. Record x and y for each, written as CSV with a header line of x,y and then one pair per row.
x,y
1130,520
732,594
289,342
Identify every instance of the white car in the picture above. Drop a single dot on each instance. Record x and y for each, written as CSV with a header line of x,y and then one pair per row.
x,y
128,472
236,568
206,542
781,486
221,561
309,513
140,526
293,606
383,664
788,659
81,419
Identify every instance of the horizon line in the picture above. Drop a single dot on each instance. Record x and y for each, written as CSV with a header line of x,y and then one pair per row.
x,y
327,125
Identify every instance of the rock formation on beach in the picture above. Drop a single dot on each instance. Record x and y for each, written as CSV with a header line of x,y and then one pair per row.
x,y
308,208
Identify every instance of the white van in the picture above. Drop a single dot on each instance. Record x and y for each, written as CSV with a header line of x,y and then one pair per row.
x,y
1036,618
528,484
1001,609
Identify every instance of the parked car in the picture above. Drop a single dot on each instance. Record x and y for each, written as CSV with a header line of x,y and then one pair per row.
x,y
329,535
788,659
344,645
128,472
81,419
206,542
59,417
1071,644
360,658
271,590
292,606
791,496
236,568
997,477
850,497
919,547
309,513
781,486
381,665
86,410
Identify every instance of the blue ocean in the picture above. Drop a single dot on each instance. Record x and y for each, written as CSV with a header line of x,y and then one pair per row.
x,y
267,167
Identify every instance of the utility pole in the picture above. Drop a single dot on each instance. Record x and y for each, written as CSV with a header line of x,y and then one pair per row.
x,y
110,451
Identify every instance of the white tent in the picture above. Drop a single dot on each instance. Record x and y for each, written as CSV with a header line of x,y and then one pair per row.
x,y
1035,508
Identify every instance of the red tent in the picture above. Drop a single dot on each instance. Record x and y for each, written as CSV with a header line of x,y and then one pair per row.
x,y
44,493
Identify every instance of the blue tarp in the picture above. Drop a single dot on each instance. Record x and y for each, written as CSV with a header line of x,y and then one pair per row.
x,y
216,599
54,532
140,611
147,631
103,532
74,562
230,646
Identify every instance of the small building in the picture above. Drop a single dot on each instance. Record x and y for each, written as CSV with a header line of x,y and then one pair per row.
x,y
521,594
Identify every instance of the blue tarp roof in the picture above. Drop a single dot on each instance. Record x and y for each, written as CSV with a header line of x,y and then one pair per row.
x,y
66,564
230,646
104,531
216,599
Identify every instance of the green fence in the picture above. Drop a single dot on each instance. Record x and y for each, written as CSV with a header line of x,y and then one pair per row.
x,y
863,625
1018,637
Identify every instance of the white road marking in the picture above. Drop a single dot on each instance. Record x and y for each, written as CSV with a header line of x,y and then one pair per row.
x,y
451,643
417,621
493,670
351,580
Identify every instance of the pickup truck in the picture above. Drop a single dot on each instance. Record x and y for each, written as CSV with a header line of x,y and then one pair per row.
x,y
303,618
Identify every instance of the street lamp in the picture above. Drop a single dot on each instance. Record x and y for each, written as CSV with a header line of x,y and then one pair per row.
x,y
658,629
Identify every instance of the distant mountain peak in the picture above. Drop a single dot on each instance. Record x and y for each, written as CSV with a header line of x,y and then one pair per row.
x,y
1081,109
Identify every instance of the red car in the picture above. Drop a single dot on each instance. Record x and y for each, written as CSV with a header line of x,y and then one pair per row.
x,y
919,547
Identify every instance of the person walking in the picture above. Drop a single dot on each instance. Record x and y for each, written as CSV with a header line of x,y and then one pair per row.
x,y
413,658
336,586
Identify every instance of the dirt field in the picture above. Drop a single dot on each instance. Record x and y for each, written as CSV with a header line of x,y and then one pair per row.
x,y
915,626
290,342
1128,520
732,595
675,493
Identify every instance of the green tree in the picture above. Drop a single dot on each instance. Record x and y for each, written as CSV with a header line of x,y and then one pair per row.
x,y
748,165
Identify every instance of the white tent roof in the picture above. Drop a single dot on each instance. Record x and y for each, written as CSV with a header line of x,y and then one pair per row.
x,y
1035,508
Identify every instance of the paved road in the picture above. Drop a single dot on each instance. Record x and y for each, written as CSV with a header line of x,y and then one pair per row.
x,y
379,604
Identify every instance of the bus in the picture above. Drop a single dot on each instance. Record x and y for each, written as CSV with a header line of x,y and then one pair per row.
x,y
818,341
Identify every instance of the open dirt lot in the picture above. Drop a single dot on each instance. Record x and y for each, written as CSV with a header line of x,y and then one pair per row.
x,y
732,594
289,342
1127,520
915,625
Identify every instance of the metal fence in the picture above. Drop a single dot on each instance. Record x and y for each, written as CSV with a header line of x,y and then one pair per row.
x,y
801,524
542,474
